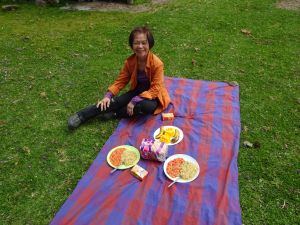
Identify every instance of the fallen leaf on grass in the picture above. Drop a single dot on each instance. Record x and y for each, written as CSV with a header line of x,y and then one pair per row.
x,y
194,62
245,129
43,94
53,103
26,149
246,31
241,70
284,205
16,101
25,38
232,83
248,144
10,7
20,49
266,128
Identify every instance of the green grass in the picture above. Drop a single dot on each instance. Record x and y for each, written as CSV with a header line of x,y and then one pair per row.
x,y
55,62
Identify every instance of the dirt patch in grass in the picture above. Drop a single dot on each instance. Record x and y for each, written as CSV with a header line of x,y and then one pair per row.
x,y
289,4
110,6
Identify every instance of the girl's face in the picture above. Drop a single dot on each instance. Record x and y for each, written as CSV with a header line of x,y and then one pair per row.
x,y
140,46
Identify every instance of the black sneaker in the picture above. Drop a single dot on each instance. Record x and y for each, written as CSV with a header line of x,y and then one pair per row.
x,y
74,121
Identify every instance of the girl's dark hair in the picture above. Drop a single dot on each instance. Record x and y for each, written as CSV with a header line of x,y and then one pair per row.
x,y
143,30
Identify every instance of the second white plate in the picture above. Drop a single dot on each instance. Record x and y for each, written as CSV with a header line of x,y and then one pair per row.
x,y
186,158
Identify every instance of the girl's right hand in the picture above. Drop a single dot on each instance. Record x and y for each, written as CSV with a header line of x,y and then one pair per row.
x,y
103,104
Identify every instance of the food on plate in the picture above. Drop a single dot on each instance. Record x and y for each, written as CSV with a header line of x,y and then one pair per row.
x,y
168,134
128,158
116,157
181,168
161,131
122,156
188,170
176,136
174,166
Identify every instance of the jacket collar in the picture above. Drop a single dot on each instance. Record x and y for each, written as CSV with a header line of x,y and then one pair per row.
x,y
148,64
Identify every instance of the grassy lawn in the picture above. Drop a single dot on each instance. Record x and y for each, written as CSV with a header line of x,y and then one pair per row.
x,y
54,62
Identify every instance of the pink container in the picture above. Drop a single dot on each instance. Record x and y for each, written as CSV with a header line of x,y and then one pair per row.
x,y
153,150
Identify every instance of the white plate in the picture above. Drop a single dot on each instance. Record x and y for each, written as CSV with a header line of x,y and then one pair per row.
x,y
180,134
186,158
128,148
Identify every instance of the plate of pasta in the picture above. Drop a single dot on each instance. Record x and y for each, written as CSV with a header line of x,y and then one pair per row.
x,y
123,157
182,168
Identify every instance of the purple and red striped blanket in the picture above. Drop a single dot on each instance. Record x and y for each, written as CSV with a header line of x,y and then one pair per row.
x,y
208,113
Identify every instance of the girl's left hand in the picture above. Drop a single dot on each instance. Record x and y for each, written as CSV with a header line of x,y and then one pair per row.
x,y
130,108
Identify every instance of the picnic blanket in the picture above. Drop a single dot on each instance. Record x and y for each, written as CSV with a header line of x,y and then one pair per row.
x,y
208,113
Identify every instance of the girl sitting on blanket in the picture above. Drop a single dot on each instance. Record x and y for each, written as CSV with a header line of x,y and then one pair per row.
x,y
147,93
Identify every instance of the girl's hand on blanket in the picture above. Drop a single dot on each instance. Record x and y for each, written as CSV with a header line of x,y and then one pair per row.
x,y
130,107
104,103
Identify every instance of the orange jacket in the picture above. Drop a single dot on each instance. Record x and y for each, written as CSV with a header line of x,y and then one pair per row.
x,y
154,71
